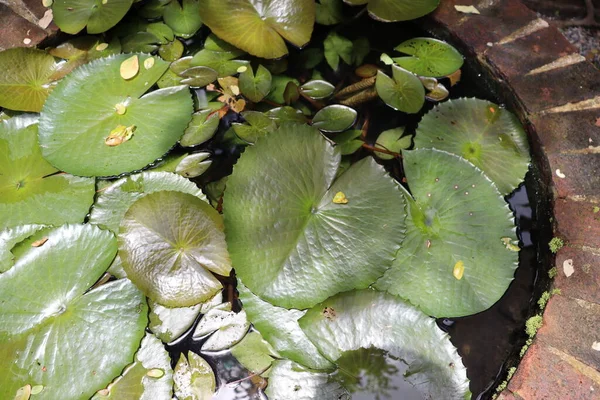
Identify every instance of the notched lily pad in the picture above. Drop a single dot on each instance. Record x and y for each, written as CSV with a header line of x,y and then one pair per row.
x,y
397,10
201,128
334,118
170,244
109,319
255,86
429,57
89,95
403,92
31,190
71,16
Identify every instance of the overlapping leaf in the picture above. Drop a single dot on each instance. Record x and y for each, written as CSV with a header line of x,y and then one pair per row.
x,y
290,241
397,10
72,16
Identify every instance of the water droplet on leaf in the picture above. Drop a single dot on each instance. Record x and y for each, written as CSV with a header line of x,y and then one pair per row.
x,y
37,389
120,108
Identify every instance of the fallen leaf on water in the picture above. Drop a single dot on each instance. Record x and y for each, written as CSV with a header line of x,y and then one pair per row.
x,y
459,270
46,20
149,62
467,9
102,46
119,135
130,67
40,242
340,198
455,77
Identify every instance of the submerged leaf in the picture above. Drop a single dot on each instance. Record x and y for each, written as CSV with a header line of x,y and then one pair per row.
x,y
279,214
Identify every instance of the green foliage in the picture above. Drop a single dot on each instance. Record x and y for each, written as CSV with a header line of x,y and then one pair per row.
x,y
403,92
533,324
556,244
396,10
429,57
71,16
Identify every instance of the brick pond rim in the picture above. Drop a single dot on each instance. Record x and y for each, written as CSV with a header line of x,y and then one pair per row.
x,y
556,94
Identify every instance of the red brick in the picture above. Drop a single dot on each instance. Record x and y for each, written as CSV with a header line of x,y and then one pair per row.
x,y
582,175
585,282
544,375
14,28
560,132
577,223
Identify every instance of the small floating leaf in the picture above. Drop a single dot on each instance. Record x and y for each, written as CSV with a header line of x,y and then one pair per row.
x,y
340,198
336,47
459,270
404,92
317,89
255,86
334,118
258,126
201,128
225,327
254,353
397,10
119,135
183,17
198,76
429,57
194,165
71,16
155,373
130,67
392,140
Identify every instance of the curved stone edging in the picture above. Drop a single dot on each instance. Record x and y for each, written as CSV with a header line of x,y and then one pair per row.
x,y
556,93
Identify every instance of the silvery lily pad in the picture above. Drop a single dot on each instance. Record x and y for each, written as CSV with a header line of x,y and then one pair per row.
x,y
225,327
194,378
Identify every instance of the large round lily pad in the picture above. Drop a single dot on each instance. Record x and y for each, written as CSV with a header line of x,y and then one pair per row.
x,y
114,201
295,233
280,328
62,335
457,257
488,136
367,318
97,123
72,16
397,10
25,78
31,190
260,26
169,243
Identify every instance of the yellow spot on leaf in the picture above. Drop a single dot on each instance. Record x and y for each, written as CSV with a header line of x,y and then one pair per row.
x,y
459,270
241,69
130,67
37,389
155,373
40,242
104,1
509,244
340,198
102,47
119,135
120,108
149,62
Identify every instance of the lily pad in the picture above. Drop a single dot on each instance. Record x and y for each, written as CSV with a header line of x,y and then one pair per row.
x,y
258,125
260,26
458,215
279,327
392,140
279,214
169,243
291,381
201,128
9,238
194,378
224,326
255,86
99,99
317,89
114,201
430,57
71,16
194,165
336,47
25,79
483,133
69,331
31,190
150,377
404,92
168,324
198,76
219,55
254,353
329,12
397,10
367,318
334,118
183,17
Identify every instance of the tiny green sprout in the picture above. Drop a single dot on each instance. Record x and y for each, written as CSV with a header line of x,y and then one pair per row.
x,y
544,300
532,325
556,291
552,272
556,244
155,373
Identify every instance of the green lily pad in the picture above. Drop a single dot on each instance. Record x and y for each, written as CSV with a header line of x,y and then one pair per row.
x,y
224,326
149,377
392,140
259,125
291,381
25,79
194,378
329,12
397,10
219,55
169,243
334,118
280,213
457,223
162,31
278,85
9,238
285,114
142,42
349,141
260,26
183,17
367,318
318,89
194,165
100,100
488,136
114,201
201,128
279,327
171,51
404,92
255,86
81,50
198,76
336,47
69,331
430,57
254,353
168,324
31,190
71,16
